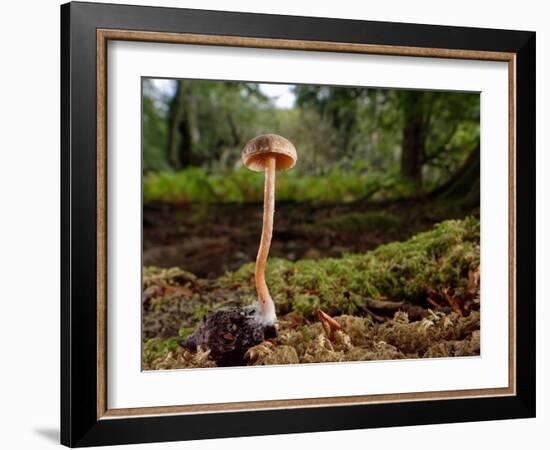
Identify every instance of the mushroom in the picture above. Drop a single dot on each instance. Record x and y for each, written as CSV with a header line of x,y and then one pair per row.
x,y
267,153
229,332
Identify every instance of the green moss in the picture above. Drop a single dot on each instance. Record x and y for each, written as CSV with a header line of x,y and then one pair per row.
x,y
201,311
444,261
362,340
185,331
433,261
306,304
174,276
167,354
155,348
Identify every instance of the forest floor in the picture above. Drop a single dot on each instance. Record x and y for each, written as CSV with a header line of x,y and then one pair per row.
x,y
400,283
209,240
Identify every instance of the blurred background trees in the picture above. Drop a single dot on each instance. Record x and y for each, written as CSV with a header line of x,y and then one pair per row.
x,y
360,142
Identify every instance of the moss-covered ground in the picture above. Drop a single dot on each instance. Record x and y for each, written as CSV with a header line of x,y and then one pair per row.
x,y
417,298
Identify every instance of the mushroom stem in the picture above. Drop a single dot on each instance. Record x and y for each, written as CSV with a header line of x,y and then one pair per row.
x,y
267,307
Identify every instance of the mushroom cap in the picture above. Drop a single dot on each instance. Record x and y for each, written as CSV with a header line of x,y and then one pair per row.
x,y
256,151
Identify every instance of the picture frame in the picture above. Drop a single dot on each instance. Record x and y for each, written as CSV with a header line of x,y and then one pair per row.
x,y
86,29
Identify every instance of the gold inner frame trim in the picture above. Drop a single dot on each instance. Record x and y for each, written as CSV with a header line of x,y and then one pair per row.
x,y
103,36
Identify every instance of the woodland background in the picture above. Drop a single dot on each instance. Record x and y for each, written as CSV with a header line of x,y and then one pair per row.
x,y
384,163
378,223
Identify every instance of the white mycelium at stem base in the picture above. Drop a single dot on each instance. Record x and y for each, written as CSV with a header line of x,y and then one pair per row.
x,y
266,305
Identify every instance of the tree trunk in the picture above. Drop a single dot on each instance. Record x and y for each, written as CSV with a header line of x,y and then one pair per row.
x,y
235,135
179,139
414,138
412,153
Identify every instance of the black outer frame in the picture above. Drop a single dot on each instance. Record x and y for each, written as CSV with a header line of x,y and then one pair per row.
x,y
79,423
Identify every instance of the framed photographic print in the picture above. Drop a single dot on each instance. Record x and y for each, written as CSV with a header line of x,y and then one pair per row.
x,y
277,224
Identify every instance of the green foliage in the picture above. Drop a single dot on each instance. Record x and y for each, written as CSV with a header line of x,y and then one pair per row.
x,y
209,121
155,130
339,132
430,261
238,186
453,124
367,124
